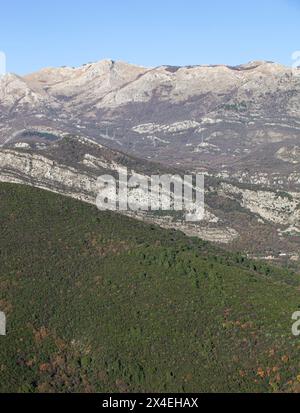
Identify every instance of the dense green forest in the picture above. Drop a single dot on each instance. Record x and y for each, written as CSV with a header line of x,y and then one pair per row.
x,y
96,301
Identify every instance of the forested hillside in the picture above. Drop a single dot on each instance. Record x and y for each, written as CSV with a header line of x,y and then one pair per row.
x,y
96,301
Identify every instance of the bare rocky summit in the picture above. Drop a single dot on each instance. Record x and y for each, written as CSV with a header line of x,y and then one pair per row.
x,y
225,119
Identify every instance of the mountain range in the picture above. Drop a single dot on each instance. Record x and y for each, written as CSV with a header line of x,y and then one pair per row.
x,y
240,126
145,301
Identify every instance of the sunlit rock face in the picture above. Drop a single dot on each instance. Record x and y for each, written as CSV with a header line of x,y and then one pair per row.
x,y
226,120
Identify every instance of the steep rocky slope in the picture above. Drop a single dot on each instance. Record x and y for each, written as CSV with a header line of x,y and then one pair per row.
x,y
261,222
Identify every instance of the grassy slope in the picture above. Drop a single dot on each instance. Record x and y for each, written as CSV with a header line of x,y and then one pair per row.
x,y
99,302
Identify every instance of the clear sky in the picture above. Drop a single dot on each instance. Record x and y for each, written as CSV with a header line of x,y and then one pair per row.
x,y
36,34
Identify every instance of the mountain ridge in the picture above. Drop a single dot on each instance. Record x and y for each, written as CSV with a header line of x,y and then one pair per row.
x,y
240,126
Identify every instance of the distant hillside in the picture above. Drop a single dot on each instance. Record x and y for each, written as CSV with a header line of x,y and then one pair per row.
x,y
100,302
241,121
238,125
261,222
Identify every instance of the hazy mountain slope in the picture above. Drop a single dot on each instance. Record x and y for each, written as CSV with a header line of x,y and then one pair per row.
x,y
231,120
240,125
263,223
99,302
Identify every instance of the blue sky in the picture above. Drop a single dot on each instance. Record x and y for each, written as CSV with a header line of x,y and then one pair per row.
x,y
36,34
